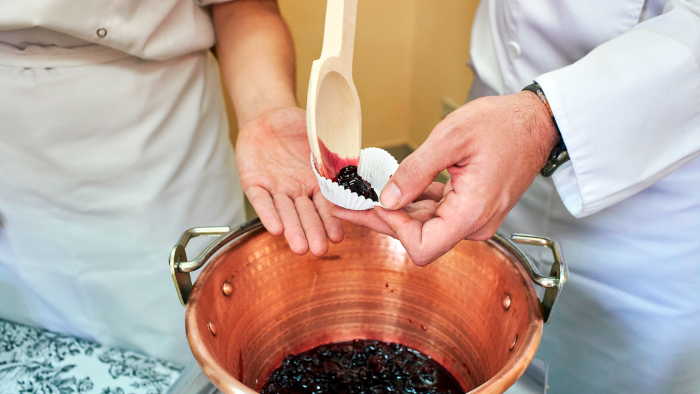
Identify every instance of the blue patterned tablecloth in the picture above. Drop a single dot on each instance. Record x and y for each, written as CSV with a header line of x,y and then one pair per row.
x,y
37,361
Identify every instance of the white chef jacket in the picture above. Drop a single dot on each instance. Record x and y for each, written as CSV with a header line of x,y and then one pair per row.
x,y
106,157
148,29
623,82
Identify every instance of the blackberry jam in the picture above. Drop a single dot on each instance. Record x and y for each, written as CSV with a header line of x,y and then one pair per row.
x,y
360,367
349,179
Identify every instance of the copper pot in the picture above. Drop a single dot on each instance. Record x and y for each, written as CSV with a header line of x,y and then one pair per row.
x,y
475,310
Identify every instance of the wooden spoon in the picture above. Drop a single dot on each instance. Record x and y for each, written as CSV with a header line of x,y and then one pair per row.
x,y
333,117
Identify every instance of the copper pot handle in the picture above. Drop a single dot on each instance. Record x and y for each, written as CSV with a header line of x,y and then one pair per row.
x,y
180,268
559,272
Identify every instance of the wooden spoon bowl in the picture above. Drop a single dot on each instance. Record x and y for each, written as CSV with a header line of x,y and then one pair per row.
x,y
333,116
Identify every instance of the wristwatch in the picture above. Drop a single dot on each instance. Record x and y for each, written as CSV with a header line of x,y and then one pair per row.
x,y
559,154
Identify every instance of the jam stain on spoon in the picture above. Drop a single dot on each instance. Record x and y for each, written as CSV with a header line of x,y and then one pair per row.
x,y
331,163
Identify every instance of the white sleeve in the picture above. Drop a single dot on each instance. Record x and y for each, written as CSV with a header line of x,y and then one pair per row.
x,y
629,111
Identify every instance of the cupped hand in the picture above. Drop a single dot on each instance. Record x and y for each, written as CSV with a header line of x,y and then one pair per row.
x,y
493,149
272,153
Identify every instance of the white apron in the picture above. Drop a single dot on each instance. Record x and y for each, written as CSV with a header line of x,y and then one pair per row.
x,y
628,320
105,159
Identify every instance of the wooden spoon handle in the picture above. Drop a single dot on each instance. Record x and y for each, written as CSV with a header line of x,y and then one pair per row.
x,y
339,35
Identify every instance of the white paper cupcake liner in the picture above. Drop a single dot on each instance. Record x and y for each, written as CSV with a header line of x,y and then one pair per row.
x,y
376,166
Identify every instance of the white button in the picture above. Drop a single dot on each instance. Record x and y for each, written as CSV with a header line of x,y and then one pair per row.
x,y
514,49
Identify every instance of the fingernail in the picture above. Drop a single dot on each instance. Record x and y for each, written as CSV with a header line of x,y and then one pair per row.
x,y
391,196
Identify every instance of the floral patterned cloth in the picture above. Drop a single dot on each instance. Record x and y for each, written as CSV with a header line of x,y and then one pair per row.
x,y
37,361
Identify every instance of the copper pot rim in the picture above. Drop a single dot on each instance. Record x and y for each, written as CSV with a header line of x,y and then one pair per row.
x,y
499,383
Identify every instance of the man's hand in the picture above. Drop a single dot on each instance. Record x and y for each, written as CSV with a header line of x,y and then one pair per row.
x,y
492,147
272,153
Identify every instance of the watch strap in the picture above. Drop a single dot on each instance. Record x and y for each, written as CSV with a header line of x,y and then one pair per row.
x,y
559,155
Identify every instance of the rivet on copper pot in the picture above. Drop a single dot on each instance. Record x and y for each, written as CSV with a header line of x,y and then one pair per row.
x,y
512,344
212,329
506,302
227,288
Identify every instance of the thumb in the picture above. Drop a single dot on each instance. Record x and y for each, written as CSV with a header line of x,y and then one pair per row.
x,y
414,175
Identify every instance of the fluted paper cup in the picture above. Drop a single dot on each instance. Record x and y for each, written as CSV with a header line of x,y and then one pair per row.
x,y
376,166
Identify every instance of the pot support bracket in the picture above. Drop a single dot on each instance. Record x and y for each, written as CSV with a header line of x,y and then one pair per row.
x,y
559,272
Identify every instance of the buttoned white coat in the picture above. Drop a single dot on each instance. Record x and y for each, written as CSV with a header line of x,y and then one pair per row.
x,y
623,80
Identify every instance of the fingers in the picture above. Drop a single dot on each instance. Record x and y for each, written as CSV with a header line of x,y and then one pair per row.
x,y
265,208
488,230
448,188
434,192
368,218
414,175
409,231
427,241
333,225
293,231
421,210
306,224
313,226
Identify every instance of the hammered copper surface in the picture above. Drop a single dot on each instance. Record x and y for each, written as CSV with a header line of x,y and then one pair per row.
x,y
365,287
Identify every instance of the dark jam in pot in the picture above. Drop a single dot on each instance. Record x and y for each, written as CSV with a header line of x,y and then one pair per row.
x,y
349,179
360,367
